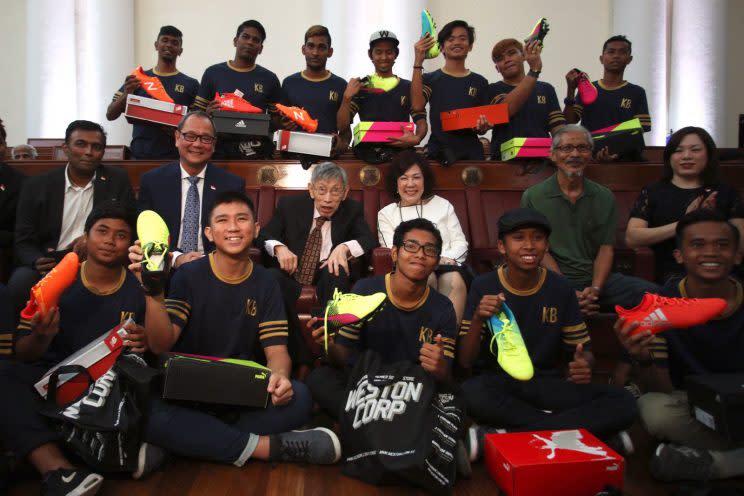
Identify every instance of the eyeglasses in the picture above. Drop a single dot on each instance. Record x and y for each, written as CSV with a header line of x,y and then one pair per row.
x,y
570,148
334,192
204,138
413,246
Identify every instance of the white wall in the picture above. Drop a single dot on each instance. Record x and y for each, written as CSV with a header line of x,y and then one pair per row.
x,y
13,43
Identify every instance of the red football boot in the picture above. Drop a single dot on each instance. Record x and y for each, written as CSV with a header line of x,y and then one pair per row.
x,y
588,93
231,102
45,293
152,85
659,313
299,116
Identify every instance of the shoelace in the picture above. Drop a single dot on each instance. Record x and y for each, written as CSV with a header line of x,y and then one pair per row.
x,y
294,450
503,340
151,251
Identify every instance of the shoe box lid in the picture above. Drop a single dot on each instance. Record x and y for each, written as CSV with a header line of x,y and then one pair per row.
x,y
717,401
379,131
316,144
559,463
525,147
216,380
467,118
142,109
242,123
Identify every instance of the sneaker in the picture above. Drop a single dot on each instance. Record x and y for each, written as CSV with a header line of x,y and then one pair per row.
x,y
429,26
318,446
75,482
149,459
588,93
299,116
621,443
45,293
512,353
672,462
475,440
462,461
232,102
633,389
348,308
658,313
151,85
538,32
154,238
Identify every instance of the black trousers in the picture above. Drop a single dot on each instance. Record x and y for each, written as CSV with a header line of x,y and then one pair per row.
x,y
328,388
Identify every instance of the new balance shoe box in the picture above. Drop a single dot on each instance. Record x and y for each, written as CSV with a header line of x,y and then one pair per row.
x,y
717,401
379,131
319,145
467,118
558,463
241,123
142,109
223,381
98,357
623,139
525,148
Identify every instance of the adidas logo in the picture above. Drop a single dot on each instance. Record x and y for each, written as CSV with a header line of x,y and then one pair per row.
x,y
240,123
656,318
228,103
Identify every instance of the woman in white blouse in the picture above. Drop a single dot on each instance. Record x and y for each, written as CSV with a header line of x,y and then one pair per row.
x,y
411,183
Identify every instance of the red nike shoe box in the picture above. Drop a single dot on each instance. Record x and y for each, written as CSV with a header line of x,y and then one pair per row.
x,y
98,357
525,148
467,118
207,379
559,463
149,110
243,123
379,131
316,144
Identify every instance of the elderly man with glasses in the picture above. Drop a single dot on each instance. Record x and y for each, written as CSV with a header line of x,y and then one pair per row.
x,y
183,192
584,219
311,238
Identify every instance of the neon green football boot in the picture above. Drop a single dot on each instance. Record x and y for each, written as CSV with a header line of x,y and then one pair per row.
x,y
154,238
429,26
349,308
512,352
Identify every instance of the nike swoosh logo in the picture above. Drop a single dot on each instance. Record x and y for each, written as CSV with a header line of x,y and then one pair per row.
x,y
69,477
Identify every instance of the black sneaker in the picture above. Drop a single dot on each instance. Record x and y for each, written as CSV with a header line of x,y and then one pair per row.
x,y
149,459
475,439
621,443
319,446
75,482
672,462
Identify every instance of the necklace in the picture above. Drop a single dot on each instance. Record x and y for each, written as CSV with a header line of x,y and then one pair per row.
x,y
419,209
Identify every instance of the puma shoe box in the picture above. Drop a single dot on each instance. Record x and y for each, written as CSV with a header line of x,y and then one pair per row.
x,y
623,139
223,381
316,144
97,357
559,463
717,401
467,118
525,148
141,109
379,131
241,123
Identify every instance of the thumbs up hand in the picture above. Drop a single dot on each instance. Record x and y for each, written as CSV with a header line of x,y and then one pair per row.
x,y
579,369
432,358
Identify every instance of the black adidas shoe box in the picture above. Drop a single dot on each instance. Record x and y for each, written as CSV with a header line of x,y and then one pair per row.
x,y
621,143
717,401
241,123
211,380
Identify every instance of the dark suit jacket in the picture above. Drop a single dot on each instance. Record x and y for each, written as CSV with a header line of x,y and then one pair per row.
x,y
293,217
160,190
40,207
11,180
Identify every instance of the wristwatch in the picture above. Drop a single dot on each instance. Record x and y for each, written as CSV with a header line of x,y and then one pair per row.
x,y
534,74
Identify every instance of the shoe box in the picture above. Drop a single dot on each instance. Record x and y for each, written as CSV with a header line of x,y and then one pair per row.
x,y
559,463
242,123
98,357
222,381
316,144
525,148
717,401
379,131
141,109
621,139
467,118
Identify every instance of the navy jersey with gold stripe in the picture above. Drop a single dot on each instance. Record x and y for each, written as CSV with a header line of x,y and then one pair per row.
x,y
225,317
714,347
158,142
259,85
539,116
86,314
548,316
446,92
320,97
391,106
397,333
615,106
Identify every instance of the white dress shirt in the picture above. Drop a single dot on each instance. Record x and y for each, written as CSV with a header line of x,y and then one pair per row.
x,y
77,206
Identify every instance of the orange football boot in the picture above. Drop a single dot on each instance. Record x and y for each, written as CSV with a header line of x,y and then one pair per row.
x,y
659,313
231,102
45,294
152,85
299,116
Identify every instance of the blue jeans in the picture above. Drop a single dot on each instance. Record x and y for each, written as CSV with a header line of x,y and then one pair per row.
x,y
197,434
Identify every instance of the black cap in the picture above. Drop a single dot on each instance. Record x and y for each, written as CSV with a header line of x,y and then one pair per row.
x,y
518,218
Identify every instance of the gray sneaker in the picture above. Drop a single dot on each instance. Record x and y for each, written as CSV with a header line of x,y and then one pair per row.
x,y
672,462
149,459
475,440
319,446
